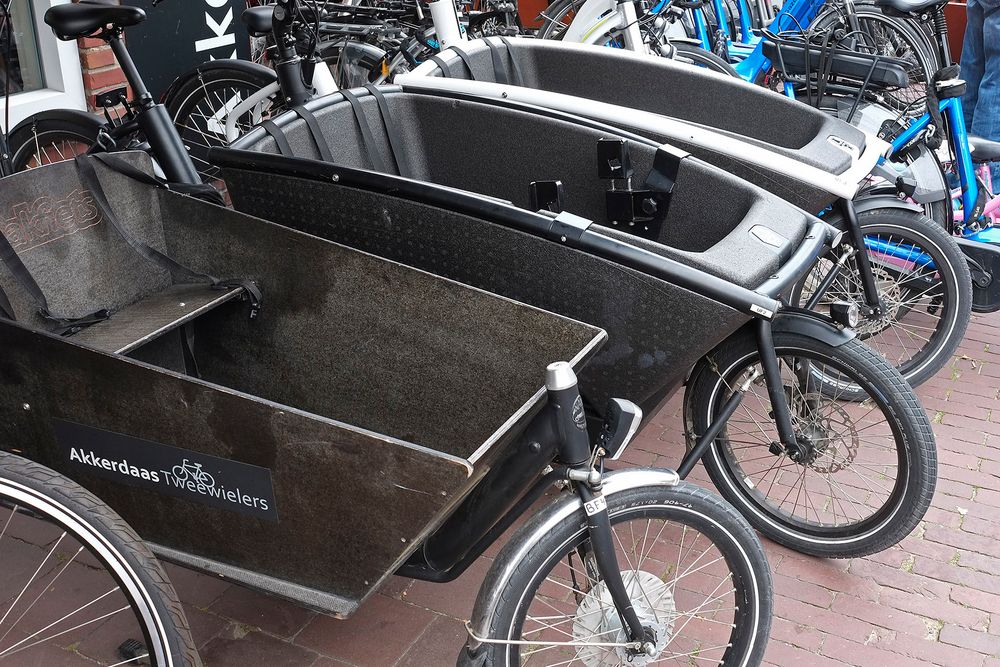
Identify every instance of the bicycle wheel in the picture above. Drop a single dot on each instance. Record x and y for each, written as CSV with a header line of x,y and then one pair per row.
x,y
695,570
557,17
925,290
49,140
862,473
895,38
78,585
699,57
202,104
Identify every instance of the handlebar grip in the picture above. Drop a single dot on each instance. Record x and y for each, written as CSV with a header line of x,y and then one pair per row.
x,y
571,420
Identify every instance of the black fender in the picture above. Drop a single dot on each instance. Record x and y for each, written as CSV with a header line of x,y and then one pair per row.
x,y
224,63
865,203
812,324
73,115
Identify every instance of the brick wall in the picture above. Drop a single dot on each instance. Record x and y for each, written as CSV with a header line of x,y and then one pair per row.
x,y
100,71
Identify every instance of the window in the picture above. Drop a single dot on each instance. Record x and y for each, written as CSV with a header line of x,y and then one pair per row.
x,y
44,72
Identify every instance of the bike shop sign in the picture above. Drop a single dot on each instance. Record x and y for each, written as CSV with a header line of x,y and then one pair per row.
x,y
179,34
202,478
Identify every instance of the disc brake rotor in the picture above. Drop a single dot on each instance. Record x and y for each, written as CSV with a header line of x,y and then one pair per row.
x,y
833,436
597,620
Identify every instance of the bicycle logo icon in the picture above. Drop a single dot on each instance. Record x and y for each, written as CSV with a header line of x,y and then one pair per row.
x,y
188,470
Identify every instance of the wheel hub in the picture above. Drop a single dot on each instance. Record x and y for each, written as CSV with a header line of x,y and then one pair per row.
x,y
829,442
890,297
597,620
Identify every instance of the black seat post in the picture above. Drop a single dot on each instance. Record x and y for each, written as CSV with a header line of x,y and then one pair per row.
x,y
941,33
154,121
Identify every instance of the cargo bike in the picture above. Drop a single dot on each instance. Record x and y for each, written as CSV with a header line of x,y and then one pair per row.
x,y
685,266
305,418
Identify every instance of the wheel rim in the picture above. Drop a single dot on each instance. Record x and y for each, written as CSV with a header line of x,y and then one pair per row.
x,y
852,439
66,592
919,312
47,148
683,585
202,123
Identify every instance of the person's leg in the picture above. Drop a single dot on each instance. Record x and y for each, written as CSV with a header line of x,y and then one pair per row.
x,y
973,58
986,117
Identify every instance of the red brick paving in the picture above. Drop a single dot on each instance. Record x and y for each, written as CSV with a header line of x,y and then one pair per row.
x,y
933,600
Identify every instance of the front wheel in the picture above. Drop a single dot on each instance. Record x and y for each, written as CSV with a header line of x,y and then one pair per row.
x,y
925,291
695,570
79,587
861,474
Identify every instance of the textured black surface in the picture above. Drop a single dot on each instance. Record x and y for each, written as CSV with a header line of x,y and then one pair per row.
x,y
385,349
656,330
658,85
706,224
674,89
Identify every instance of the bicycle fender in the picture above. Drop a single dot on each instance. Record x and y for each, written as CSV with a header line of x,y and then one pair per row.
x,y
865,203
812,324
224,63
82,117
559,510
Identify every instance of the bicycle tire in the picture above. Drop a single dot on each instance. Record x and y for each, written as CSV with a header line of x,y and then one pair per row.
x,y
910,228
111,542
197,116
552,18
912,453
523,565
45,140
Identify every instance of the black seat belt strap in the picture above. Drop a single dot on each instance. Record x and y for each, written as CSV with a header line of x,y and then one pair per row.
x,y
499,71
317,134
466,60
445,67
278,136
518,77
395,140
6,310
374,154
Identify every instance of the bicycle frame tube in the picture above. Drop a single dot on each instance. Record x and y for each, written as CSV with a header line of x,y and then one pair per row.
x,y
701,31
794,14
593,21
951,108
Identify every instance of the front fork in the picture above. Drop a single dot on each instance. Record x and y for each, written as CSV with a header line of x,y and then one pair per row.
x,y
583,463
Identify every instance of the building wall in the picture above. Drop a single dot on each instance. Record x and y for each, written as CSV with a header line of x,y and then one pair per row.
x,y
100,71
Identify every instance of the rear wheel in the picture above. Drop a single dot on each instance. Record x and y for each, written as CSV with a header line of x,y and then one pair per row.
x,y
699,57
50,140
203,103
78,586
695,569
861,474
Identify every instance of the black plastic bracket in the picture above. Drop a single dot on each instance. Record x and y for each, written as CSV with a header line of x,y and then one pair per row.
x,y
614,160
547,196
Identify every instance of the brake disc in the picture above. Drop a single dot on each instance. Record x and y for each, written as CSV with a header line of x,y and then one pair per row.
x,y
597,620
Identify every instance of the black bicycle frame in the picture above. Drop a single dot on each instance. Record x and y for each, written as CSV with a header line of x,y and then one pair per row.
x,y
288,65
154,121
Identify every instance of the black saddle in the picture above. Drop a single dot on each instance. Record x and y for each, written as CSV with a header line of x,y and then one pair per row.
x,y
888,72
908,7
259,20
984,150
71,21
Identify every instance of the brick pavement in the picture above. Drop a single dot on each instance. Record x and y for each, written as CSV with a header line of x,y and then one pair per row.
x,y
933,600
